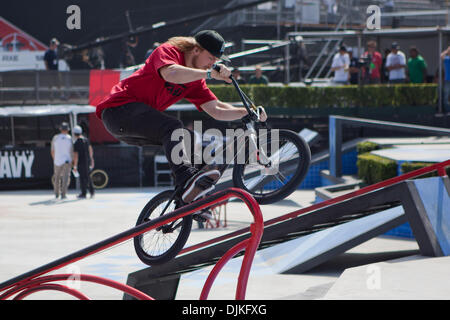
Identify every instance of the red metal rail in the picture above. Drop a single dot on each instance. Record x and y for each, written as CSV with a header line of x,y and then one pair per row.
x,y
439,167
34,280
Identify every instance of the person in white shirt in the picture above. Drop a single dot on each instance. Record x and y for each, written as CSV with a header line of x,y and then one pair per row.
x,y
340,66
62,154
396,64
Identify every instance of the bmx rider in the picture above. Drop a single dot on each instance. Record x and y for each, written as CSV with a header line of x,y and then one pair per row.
x,y
177,69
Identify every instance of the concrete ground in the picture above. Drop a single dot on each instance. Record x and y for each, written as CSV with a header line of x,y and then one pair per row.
x,y
35,229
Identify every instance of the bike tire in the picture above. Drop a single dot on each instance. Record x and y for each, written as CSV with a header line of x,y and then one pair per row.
x,y
146,252
299,171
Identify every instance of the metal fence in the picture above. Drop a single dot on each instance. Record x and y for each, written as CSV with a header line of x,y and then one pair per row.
x,y
44,87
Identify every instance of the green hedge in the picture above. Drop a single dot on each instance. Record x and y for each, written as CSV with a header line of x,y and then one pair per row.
x,y
373,169
333,96
366,146
411,166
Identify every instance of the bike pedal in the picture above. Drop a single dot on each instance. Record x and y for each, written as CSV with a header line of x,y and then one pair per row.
x,y
202,216
197,217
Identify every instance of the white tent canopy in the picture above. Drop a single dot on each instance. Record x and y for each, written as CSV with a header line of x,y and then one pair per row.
x,y
65,109
48,110
44,110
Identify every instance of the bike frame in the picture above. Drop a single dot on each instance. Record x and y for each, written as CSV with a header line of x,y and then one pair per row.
x,y
249,124
248,121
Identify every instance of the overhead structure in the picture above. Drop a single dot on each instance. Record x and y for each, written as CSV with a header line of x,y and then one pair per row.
x,y
163,24
361,35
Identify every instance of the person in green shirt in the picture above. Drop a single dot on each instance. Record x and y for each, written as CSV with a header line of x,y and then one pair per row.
x,y
417,66
258,77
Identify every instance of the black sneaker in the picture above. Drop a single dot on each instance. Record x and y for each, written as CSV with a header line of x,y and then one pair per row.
x,y
200,184
182,175
202,216
81,196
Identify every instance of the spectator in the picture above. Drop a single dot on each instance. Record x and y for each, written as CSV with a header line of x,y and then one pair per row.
x,y
372,64
83,162
332,9
340,66
97,57
384,70
258,77
150,51
417,67
86,60
237,76
299,57
445,56
51,55
127,57
353,67
396,64
62,152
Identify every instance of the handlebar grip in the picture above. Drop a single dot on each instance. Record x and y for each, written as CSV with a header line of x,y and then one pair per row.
x,y
217,68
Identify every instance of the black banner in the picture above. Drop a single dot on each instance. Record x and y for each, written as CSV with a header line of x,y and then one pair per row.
x,y
25,168
32,168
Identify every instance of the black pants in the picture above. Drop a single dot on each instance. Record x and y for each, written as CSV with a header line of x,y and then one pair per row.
x,y
138,124
85,180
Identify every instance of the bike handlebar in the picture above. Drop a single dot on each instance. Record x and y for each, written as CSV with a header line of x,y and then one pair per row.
x,y
253,111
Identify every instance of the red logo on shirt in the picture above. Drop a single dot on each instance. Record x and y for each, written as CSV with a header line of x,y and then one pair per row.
x,y
175,89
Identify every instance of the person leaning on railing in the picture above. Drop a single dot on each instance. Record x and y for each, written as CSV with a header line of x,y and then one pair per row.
x,y
258,77
445,56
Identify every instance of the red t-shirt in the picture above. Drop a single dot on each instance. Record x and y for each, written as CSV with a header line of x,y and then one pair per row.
x,y
377,60
147,86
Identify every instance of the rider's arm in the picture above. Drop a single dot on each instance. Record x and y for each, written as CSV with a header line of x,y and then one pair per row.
x,y
223,111
175,73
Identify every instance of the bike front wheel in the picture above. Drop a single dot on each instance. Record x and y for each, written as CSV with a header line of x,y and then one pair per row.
x,y
162,244
276,175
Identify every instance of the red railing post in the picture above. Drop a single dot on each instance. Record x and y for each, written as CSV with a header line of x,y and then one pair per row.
x,y
34,280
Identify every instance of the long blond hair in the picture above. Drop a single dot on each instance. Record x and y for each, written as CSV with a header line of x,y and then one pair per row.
x,y
184,44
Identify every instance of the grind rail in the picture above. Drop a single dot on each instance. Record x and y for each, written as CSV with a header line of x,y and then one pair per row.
x,y
394,192
34,281
439,167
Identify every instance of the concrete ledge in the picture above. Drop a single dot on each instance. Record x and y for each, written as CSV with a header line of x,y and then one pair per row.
x,y
340,185
410,278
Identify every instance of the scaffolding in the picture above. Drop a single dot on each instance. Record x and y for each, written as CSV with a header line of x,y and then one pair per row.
x,y
361,35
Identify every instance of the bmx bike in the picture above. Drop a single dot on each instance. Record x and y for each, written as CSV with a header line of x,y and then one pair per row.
x,y
275,163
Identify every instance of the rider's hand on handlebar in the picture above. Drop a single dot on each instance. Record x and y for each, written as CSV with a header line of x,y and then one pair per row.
x,y
223,75
258,115
262,114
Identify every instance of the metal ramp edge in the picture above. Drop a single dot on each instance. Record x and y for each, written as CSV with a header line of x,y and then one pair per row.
x,y
296,224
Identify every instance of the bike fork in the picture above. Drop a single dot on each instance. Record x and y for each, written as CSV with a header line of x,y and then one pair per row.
x,y
261,156
174,196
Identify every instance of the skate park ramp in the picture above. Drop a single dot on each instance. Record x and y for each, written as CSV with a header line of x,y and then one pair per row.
x,y
297,244
410,278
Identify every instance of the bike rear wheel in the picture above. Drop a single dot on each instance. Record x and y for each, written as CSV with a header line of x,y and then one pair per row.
x,y
162,244
289,164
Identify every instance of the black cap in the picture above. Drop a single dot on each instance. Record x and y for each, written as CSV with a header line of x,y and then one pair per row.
x,y
213,42
395,45
343,48
64,126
